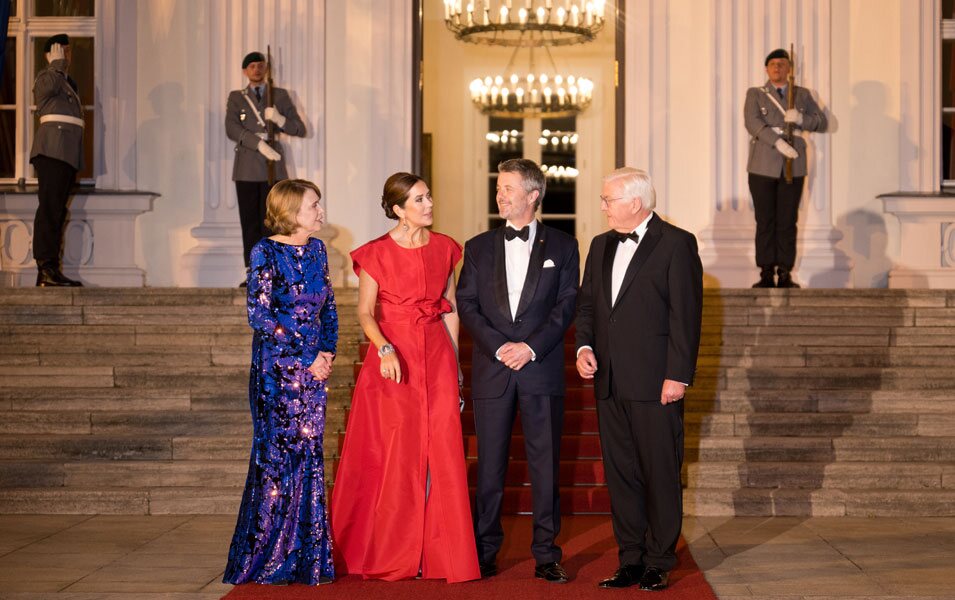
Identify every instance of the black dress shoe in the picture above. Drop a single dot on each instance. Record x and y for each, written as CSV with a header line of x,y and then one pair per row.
x,y
654,579
551,572
49,275
625,576
488,569
765,279
785,280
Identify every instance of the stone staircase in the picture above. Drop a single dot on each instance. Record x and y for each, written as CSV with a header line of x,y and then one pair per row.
x,y
822,402
133,401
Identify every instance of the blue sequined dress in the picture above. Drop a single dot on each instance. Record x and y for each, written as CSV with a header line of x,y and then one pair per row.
x,y
282,533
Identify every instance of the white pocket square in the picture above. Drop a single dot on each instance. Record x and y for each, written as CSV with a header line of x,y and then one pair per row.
x,y
549,264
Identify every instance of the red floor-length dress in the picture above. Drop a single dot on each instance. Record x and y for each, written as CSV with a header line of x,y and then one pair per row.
x,y
386,523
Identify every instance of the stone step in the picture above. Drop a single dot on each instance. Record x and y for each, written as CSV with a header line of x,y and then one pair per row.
x,y
817,475
819,449
818,502
90,296
87,447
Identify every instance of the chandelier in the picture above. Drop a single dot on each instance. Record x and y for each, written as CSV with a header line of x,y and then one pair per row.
x,y
504,22
534,94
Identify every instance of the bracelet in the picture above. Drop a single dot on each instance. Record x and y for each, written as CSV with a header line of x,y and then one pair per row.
x,y
386,349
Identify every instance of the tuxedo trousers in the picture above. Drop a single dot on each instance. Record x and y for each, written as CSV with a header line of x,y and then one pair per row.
x,y
776,204
55,180
542,421
642,446
251,196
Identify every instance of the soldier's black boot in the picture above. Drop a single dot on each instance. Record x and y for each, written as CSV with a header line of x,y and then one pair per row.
x,y
48,274
785,279
765,278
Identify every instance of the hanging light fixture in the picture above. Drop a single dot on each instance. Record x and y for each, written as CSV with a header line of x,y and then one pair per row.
x,y
533,93
502,22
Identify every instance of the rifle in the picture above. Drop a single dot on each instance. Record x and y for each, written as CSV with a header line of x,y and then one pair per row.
x,y
791,98
269,125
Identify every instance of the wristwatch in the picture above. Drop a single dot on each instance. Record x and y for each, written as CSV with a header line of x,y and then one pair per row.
x,y
385,349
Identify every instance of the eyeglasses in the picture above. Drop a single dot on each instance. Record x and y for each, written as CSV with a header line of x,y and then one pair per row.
x,y
605,200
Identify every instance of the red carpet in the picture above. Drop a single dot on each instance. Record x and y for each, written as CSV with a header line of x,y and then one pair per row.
x,y
590,554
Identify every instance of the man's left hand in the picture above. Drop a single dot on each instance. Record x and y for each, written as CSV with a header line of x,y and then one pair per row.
x,y
515,355
275,116
672,391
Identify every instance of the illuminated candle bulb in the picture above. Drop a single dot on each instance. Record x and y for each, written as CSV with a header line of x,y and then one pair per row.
x,y
543,79
447,10
504,138
470,15
513,133
547,93
561,15
530,79
573,139
489,136
514,79
570,80
475,89
573,94
542,141
589,11
541,14
487,17
494,92
488,81
554,140
519,94
574,16
498,81
503,15
558,80
522,16
564,140
504,94
560,95
546,132
534,97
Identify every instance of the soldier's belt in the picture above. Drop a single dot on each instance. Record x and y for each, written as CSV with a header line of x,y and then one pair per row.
x,y
63,119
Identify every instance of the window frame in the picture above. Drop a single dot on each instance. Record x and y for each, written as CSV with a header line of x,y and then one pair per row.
x,y
23,28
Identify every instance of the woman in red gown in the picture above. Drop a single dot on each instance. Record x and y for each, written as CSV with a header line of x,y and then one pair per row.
x,y
400,503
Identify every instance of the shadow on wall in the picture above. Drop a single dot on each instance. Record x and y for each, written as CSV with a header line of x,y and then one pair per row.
x,y
869,240
162,149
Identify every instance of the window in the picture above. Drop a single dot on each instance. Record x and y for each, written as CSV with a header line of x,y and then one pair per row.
x,y
552,143
948,92
31,23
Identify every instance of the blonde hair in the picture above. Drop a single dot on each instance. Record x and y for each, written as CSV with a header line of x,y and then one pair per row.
x,y
284,202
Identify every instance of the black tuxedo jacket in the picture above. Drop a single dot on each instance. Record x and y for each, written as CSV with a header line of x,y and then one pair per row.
x,y
545,311
653,331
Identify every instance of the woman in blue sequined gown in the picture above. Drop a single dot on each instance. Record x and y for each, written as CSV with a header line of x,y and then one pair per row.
x,y
282,533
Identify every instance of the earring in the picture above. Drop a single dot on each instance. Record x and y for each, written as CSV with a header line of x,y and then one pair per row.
x,y
404,225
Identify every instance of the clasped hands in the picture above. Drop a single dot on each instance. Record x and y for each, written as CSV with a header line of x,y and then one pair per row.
x,y
514,355
322,367
587,366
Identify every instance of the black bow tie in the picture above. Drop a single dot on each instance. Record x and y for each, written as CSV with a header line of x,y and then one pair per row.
x,y
510,233
623,237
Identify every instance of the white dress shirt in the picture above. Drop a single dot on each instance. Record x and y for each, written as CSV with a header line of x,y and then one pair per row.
x,y
517,258
621,260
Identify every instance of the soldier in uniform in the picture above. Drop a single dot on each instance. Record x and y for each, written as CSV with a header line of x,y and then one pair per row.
x,y
246,120
57,155
775,201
